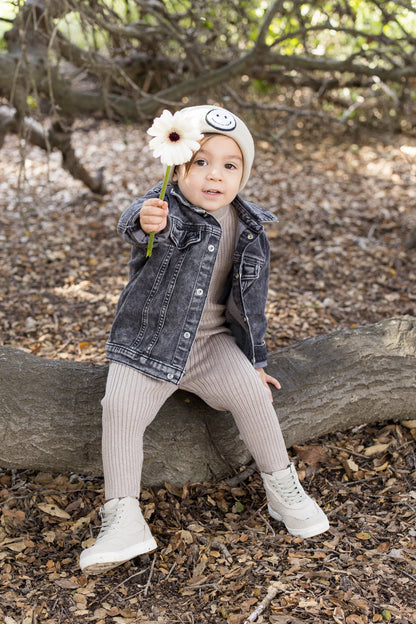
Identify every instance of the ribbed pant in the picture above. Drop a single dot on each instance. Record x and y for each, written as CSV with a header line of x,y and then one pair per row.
x,y
221,375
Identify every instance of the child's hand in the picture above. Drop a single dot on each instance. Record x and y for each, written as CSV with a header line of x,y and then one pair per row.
x,y
268,379
153,215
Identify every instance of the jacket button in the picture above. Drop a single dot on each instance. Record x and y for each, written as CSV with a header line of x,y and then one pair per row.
x,y
170,376
211,248
199,292
250,236
187,335
237,275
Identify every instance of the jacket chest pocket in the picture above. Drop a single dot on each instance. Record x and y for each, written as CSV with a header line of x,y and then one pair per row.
x,y
250,270
183,235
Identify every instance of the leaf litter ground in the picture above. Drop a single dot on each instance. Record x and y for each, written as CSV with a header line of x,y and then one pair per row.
x,y
346,206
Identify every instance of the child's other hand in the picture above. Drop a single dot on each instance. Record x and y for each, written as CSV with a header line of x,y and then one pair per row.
x,y
153,215
268,379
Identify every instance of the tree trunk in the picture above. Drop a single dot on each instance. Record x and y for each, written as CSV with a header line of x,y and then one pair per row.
x,y
50,410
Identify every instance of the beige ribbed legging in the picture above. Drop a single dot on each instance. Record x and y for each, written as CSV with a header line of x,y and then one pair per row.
x,y
217,371
133,399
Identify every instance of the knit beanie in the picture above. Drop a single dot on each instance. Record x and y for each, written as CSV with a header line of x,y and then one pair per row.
x,y
213,119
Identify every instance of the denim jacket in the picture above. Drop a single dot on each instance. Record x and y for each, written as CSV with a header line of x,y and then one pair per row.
x,y
159,311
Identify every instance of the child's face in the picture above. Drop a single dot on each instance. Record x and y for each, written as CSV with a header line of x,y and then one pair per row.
x,y
214,177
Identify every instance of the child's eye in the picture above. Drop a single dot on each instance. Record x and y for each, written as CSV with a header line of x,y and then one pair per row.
x,y
200,162
230,166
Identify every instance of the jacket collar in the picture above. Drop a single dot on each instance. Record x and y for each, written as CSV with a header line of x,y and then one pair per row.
x,y
251,214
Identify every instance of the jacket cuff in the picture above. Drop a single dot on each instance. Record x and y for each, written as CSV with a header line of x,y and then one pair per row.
x,y
260,355
142,239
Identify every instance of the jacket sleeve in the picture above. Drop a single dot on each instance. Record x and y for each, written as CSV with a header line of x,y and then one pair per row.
x,y
258,318
245,311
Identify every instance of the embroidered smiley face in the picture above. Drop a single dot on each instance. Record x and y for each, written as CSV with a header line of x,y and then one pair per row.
x,y
221,120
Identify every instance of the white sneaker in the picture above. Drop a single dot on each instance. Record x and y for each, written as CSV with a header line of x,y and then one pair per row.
x,y
124,535
288,502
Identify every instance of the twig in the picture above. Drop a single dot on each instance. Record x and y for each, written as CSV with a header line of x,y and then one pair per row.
x,y
242,476
146,589
120,584
347,450
346,483
337,509
410,576
273,589
171,570
203,586
222,547
267,523
62,348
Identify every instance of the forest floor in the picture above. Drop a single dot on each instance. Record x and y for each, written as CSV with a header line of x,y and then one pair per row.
x,y
346,204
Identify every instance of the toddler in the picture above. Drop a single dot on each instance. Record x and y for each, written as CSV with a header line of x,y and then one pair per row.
x,y
192,317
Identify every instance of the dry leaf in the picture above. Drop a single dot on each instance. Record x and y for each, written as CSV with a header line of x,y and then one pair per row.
x,y
16,546
375,449
49,536
312,455
67,583
54,510
338,615
382,467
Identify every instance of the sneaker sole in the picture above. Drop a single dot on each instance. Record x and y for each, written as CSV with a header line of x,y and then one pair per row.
x,y
311,531
102,562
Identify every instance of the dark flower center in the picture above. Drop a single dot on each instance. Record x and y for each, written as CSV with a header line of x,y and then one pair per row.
x,y
174,137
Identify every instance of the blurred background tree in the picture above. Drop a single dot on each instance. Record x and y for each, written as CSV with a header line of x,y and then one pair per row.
x,y
339,62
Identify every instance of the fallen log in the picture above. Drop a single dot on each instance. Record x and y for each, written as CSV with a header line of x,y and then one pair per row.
x,y
50,409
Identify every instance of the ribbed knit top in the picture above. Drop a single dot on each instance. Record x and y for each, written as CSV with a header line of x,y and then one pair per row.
x,y
212,321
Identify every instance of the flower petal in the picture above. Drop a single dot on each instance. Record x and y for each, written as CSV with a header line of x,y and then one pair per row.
x,y
175,137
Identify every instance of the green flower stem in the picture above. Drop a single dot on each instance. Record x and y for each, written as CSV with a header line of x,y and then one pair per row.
x,y
161,196
150,245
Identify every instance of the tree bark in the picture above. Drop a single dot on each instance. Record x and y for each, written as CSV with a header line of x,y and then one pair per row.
x,y
50,410
57,137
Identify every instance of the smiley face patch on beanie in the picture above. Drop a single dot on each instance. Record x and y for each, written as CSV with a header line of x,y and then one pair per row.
x,y
221,119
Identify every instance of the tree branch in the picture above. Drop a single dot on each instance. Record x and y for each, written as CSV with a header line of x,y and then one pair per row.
x,y
56,138
329,383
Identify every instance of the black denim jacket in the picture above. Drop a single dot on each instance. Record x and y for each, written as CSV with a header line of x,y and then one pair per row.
x,y
159,311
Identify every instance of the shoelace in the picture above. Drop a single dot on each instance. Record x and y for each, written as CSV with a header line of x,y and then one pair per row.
x,y
289,489
108,522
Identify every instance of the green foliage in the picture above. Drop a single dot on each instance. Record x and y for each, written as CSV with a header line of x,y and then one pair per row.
x,y
336,30
349,52
8,11
175,26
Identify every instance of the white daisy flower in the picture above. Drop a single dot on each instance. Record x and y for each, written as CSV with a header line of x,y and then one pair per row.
x,y
175,138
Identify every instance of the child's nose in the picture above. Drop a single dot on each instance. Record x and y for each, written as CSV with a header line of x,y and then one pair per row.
x,y
214,173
